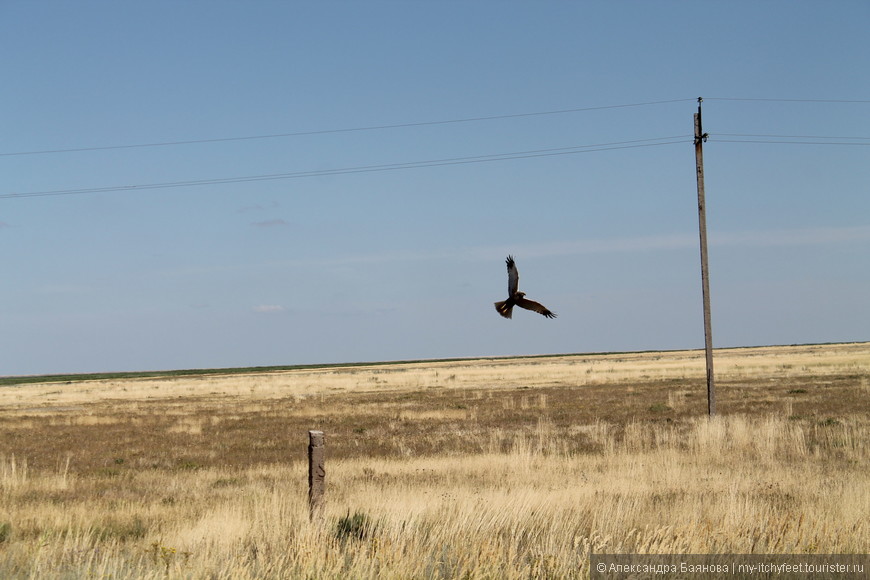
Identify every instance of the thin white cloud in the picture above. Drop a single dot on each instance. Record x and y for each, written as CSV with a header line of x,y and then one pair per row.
x,y
271,223
793,237
63,288
604,246
258,207
764,238
482,253
268,308
664,242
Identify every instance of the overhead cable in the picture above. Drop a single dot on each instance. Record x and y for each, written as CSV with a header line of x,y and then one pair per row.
x,y
344,130
367,168
792,136
788,100
786,142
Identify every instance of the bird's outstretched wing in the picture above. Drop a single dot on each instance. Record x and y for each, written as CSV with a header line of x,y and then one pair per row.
x,y
513,276
535,306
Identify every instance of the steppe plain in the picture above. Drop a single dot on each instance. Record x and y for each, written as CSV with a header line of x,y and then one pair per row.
x,y
486,468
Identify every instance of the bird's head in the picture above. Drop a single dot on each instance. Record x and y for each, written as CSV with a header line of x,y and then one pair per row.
x,y
521,294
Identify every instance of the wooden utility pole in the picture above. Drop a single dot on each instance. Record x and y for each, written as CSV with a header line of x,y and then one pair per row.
x,y
700,137
316,474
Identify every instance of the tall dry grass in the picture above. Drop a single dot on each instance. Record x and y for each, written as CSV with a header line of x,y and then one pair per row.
x,y
488,469
737,484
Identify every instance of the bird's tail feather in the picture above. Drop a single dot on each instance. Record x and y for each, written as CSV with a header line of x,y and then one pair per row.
x,y
504,308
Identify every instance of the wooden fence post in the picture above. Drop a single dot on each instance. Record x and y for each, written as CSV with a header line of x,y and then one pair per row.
x,y
316,474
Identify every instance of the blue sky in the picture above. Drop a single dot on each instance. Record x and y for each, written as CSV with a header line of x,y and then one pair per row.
x,y
406,263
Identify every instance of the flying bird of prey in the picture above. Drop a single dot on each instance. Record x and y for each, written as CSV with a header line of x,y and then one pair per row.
x,y
517,298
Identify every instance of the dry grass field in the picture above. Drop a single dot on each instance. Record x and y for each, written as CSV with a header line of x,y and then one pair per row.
x,y
495,468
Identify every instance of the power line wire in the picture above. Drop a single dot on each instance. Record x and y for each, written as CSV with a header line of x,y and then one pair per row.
x,y
792,136
344,130
367,168
787,100
784,142
406,125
